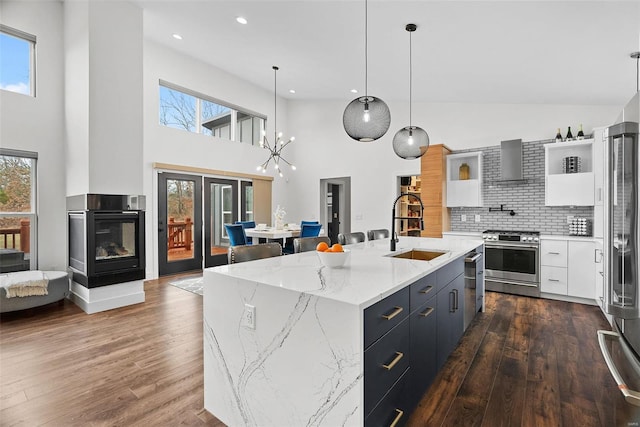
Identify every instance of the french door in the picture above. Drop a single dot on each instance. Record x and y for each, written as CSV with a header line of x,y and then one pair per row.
x,y
220,207
179,223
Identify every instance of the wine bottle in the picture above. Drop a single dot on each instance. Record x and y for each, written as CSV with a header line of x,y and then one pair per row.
x,y
580,135
569,134
558,136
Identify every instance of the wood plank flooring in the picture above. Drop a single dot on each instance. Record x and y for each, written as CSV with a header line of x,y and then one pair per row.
x,y
525,362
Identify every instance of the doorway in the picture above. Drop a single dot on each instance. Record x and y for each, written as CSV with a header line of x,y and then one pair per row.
x,y
220,207
185,236
179,223
335,206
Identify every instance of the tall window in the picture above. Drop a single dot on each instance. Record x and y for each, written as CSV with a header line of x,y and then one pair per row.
x,y
17,61
17,210
184,109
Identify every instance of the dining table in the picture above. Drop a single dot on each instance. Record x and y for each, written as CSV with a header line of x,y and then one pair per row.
x,y
270,233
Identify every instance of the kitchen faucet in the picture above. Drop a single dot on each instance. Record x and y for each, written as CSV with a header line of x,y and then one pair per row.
x,y
394,235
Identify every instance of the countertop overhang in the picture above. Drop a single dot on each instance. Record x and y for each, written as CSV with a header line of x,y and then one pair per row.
x,y
369,275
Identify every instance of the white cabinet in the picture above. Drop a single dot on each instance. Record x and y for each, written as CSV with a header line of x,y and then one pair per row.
x,y
581,270
599,182
464,179
599,277
569,189
568,267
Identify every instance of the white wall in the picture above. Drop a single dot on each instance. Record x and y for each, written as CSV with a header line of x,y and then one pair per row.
x,y
323,150
167,145
36,124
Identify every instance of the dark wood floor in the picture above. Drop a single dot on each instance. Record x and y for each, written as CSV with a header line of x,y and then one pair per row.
x,y
524,362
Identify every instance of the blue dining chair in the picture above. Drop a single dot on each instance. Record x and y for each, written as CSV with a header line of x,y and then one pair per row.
x,y
235,232
247,224
310,230
308,223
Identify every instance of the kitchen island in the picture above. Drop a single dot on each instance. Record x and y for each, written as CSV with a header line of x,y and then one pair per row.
x,y
288,342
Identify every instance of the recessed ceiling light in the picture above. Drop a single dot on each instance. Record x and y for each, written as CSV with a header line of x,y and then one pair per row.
x,y
354,90
242,20
177,36
292,91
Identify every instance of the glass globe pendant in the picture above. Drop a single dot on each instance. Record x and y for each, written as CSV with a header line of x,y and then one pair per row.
x,y
366,118
410,142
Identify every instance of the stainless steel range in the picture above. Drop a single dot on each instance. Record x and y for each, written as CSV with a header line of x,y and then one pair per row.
x,y
512,262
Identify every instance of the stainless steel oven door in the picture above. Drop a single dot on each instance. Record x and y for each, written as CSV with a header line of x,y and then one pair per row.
x,y
512,262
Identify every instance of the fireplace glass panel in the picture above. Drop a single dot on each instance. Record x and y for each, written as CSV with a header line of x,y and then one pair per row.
x,y
115,239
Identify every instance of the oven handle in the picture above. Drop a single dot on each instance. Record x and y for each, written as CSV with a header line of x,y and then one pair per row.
x,y
631,396
509,282
507,245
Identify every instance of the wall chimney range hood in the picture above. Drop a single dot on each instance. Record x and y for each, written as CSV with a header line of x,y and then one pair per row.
x,y
511,160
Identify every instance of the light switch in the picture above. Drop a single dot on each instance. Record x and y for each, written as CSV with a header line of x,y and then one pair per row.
x,y
463,218
477,219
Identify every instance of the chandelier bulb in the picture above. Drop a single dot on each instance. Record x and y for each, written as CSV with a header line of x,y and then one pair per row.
x,y
293,167
281,175
293,138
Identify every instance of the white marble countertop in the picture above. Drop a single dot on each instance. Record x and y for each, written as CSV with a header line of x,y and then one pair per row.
x,y
368,276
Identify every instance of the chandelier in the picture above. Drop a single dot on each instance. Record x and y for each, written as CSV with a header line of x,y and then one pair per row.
x,y
275,151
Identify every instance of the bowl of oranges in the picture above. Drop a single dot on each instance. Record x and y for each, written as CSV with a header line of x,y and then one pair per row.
x,y
332,256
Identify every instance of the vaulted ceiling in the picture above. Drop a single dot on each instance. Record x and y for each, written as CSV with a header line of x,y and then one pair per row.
x,y
523,52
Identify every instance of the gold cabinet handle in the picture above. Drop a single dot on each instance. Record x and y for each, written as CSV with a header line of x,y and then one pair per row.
x,y
426,290
427,312
397,311
394,361
397,418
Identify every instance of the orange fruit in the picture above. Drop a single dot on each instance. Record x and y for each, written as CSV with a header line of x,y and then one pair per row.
x,y
322,247
337,247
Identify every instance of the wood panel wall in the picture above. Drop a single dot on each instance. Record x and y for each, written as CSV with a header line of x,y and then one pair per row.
x,y
433,173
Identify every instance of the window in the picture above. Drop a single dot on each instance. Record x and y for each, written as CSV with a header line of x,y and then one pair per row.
x,y
17,61
17,210
184,109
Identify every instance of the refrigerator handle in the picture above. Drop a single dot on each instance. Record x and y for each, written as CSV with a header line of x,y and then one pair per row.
x,y
631,396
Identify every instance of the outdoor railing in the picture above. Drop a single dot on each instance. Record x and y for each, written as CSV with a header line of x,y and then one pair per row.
x,y
24,234
180,233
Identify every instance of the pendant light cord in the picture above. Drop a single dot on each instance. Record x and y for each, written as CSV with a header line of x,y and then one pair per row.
x,y
410,78
275,109
366,48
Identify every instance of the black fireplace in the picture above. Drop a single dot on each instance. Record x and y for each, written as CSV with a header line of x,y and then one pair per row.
x,y
106,238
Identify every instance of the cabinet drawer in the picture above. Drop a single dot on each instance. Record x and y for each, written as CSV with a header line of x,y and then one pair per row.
x,y
553,280
553,253
449,272
384,315
394,406
384,362
422,290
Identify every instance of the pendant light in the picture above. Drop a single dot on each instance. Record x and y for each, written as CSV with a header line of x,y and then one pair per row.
x,y
275,152
366,118
410,142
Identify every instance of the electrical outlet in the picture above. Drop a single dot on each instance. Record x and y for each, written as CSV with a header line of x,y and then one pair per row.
x,y
477,218
463,218
359,216
249,316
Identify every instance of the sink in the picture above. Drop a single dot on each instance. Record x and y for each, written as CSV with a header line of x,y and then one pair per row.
x,y
420,254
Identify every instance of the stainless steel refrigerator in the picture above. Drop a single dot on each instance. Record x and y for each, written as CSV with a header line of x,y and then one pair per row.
x,y
621,346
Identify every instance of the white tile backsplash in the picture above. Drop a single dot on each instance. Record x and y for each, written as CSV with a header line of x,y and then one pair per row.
x,y
526,198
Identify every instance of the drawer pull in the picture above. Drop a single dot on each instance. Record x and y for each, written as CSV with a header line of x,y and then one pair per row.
x,y
553,253
554,280
426,290
397,418
395,312
394,361
427,312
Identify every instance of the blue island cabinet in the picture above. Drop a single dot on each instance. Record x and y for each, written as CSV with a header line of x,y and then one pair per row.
x,y
408,337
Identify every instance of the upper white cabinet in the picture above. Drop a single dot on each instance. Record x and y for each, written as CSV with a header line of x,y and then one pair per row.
x,y
565,188
598,171
464,179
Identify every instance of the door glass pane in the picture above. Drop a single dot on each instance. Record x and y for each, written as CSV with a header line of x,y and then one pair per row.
x,y
248,203
180,214
221,213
